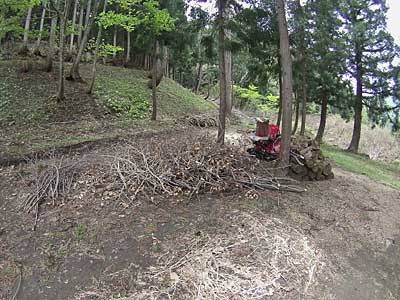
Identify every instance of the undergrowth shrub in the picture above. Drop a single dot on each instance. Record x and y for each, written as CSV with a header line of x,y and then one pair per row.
x,y
251,99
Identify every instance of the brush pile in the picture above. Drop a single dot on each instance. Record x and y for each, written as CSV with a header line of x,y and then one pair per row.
x,y
310,163
50,181
200,120
191,165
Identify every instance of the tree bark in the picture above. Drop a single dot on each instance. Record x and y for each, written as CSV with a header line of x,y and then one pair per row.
x,y
52,40
80,25
358,105
88,9
128,47
63,17
304,77
115,41
71,41
41,25
209,84
279,118
287,85
222,73
228,64
74,72
296,116
197,82
24,48
154,80
96,52
324,111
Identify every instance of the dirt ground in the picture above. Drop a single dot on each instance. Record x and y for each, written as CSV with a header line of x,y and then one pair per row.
x,y
95,244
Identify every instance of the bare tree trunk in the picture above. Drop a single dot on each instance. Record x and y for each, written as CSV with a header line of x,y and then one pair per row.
x,y
322,122
358,105
228,74
128,47
279,118
165,61
74,72
63,17
88,9
115,41
80,25
52,41
287,88
208,88
24,49
71,41
222,73
96,52
154,80
296,118
197,81
41,25
304,77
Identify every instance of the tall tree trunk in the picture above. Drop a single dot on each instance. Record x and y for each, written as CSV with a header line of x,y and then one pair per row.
x,y
228,74
24,48
165,61
80,25
71,41
115,41
96,52
287,84
322,122
128,47
304,76
358,105
41,25
208,88
52,42
279,117
63,18
154,80
74,72
296,116
197,81
88,9
222,73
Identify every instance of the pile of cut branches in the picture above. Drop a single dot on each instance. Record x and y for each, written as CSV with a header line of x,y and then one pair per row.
x,y
50,181
191,165
200,120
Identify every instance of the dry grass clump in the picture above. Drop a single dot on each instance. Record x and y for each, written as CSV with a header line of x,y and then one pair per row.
x,y
256,258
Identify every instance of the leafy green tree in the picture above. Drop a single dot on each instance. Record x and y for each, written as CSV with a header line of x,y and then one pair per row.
x,y
371,61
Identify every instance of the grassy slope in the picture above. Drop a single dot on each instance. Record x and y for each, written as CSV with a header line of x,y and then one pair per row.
x,y
31,120
388,174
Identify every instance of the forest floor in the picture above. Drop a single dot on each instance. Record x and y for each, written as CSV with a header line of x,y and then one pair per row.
x,y
32,122
95,244
338,240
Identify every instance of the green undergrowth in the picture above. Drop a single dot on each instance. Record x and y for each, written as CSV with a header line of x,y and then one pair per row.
x,y
31,120
388,174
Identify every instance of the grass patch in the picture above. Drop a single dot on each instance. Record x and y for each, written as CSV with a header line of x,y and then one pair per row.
x,y
32,121
388,174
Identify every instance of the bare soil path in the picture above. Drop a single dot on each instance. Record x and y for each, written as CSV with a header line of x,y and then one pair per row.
x,y
96,244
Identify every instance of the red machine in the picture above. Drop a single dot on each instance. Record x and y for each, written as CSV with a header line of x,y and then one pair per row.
x,y
266,140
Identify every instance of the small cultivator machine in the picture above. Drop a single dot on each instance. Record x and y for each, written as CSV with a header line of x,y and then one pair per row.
x,y
266,140
306,159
